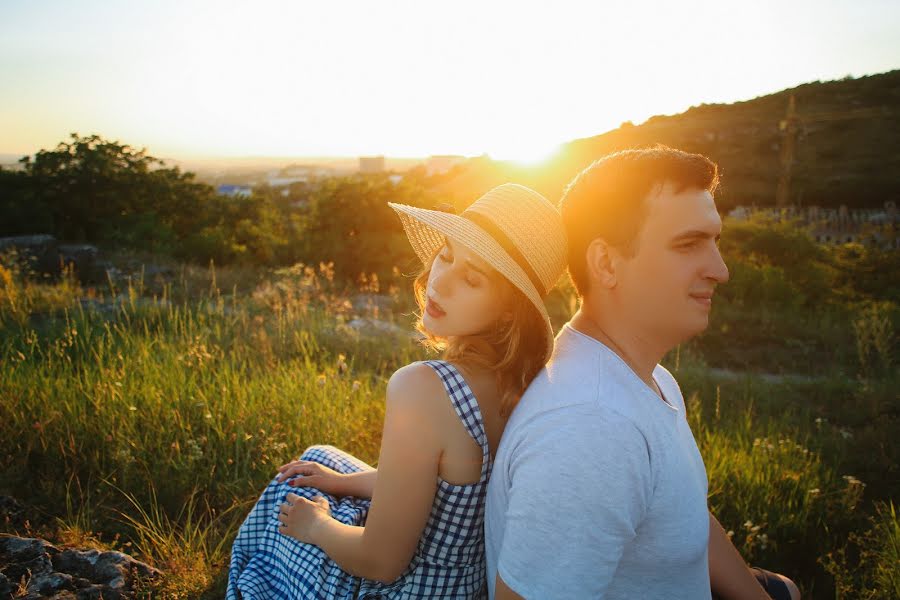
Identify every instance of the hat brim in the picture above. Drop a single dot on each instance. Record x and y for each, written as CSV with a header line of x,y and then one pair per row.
x,y
427,230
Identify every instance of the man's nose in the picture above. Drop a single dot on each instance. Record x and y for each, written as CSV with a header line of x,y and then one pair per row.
x,y
717,270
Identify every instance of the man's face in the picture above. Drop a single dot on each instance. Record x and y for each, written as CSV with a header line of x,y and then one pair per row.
x,y
666,287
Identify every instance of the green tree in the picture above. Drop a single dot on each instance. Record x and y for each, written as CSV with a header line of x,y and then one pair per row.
x,y
99,191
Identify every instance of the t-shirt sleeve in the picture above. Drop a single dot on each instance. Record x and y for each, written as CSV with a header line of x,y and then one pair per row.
x,y
578,491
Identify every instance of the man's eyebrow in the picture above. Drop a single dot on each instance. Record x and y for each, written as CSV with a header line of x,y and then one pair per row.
x,y
695,234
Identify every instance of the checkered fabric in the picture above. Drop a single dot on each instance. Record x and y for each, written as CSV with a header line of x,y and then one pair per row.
x,y
448,562
268,564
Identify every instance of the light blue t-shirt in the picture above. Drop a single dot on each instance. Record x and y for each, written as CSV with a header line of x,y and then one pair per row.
x,y
598,489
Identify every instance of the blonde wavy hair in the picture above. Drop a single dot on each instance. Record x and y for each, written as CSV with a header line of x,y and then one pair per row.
x,y
513,349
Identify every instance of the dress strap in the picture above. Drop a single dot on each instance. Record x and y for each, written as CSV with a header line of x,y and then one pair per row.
x,y
466,406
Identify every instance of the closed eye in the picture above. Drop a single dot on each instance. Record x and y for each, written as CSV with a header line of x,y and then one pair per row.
x,y
689,245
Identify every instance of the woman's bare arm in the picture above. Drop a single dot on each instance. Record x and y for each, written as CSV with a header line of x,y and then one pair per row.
x,y
360,485
404,488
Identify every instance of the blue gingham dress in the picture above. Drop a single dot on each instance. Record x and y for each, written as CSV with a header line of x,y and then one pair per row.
x,y
448,562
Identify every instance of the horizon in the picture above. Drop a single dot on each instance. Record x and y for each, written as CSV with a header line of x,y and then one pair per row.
x,y
281,82
189,159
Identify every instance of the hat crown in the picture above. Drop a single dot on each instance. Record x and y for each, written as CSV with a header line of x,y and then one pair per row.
x,y
531,224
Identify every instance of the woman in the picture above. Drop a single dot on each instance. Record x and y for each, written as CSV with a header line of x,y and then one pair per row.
x,y
413,528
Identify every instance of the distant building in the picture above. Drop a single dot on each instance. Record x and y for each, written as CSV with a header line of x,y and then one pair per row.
x,y
234,191
442,163
276,182
371,164
307,171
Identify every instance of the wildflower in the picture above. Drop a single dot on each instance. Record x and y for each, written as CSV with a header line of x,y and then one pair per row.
x,y
763,541
730,533
748,524
356,385
208,416
132,408
846,434
813,492
755,528
320,380
194,451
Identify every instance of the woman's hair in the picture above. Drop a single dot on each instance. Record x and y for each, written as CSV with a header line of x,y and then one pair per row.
x,y
513,349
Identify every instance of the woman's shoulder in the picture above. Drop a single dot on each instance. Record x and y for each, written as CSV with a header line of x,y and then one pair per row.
x,y
416,387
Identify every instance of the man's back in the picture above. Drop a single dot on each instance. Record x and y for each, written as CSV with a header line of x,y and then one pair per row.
x,y
598,489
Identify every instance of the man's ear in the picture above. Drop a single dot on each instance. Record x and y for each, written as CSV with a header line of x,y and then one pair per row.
x,y
601,268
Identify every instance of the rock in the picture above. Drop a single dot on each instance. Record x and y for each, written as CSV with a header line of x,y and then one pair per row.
x,y
40,252
151,271
7,587
362,302
44,254
12,514
376,327
50,583
49,572
83,258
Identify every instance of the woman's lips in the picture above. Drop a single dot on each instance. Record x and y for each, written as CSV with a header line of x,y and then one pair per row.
x,y
434,309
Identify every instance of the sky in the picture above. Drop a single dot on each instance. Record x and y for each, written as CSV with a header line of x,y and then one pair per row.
x,y
194,79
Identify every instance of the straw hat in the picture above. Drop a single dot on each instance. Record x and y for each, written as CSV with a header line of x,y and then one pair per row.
x,y
512,228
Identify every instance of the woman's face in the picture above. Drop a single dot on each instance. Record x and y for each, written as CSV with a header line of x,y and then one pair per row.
x,y
464,295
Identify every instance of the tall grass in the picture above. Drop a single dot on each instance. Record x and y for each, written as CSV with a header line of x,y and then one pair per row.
x,y
150,421
144,406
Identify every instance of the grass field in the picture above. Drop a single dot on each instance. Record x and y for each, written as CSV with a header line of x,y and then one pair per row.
x,y
149,418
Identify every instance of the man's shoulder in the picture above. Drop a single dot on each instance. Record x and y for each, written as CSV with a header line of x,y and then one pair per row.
x,y
564,388
580,384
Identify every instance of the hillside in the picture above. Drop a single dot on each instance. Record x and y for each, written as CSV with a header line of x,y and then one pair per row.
x,y
847,146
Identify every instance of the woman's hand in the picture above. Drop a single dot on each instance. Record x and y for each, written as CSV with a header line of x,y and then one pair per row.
x,y
314,475
299,517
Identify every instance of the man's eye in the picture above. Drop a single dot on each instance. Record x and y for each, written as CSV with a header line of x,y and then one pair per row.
x,y
472,281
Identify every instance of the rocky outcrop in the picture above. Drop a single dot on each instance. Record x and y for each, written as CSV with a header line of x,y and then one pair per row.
x,y
39,252
44,254
32,569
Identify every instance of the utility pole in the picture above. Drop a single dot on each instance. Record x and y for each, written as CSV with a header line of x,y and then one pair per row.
x,y
789,127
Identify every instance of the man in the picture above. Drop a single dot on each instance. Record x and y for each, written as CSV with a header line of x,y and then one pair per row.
x,y
598,489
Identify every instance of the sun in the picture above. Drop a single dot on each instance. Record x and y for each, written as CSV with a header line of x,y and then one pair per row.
x,y
530,158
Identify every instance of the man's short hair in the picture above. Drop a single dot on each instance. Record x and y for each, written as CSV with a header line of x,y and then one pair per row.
x,y
606,200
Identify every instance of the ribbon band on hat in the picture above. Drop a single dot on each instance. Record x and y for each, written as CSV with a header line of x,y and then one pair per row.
x,y
507,244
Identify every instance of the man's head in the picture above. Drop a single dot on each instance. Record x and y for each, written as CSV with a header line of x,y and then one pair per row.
x,y
643,231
